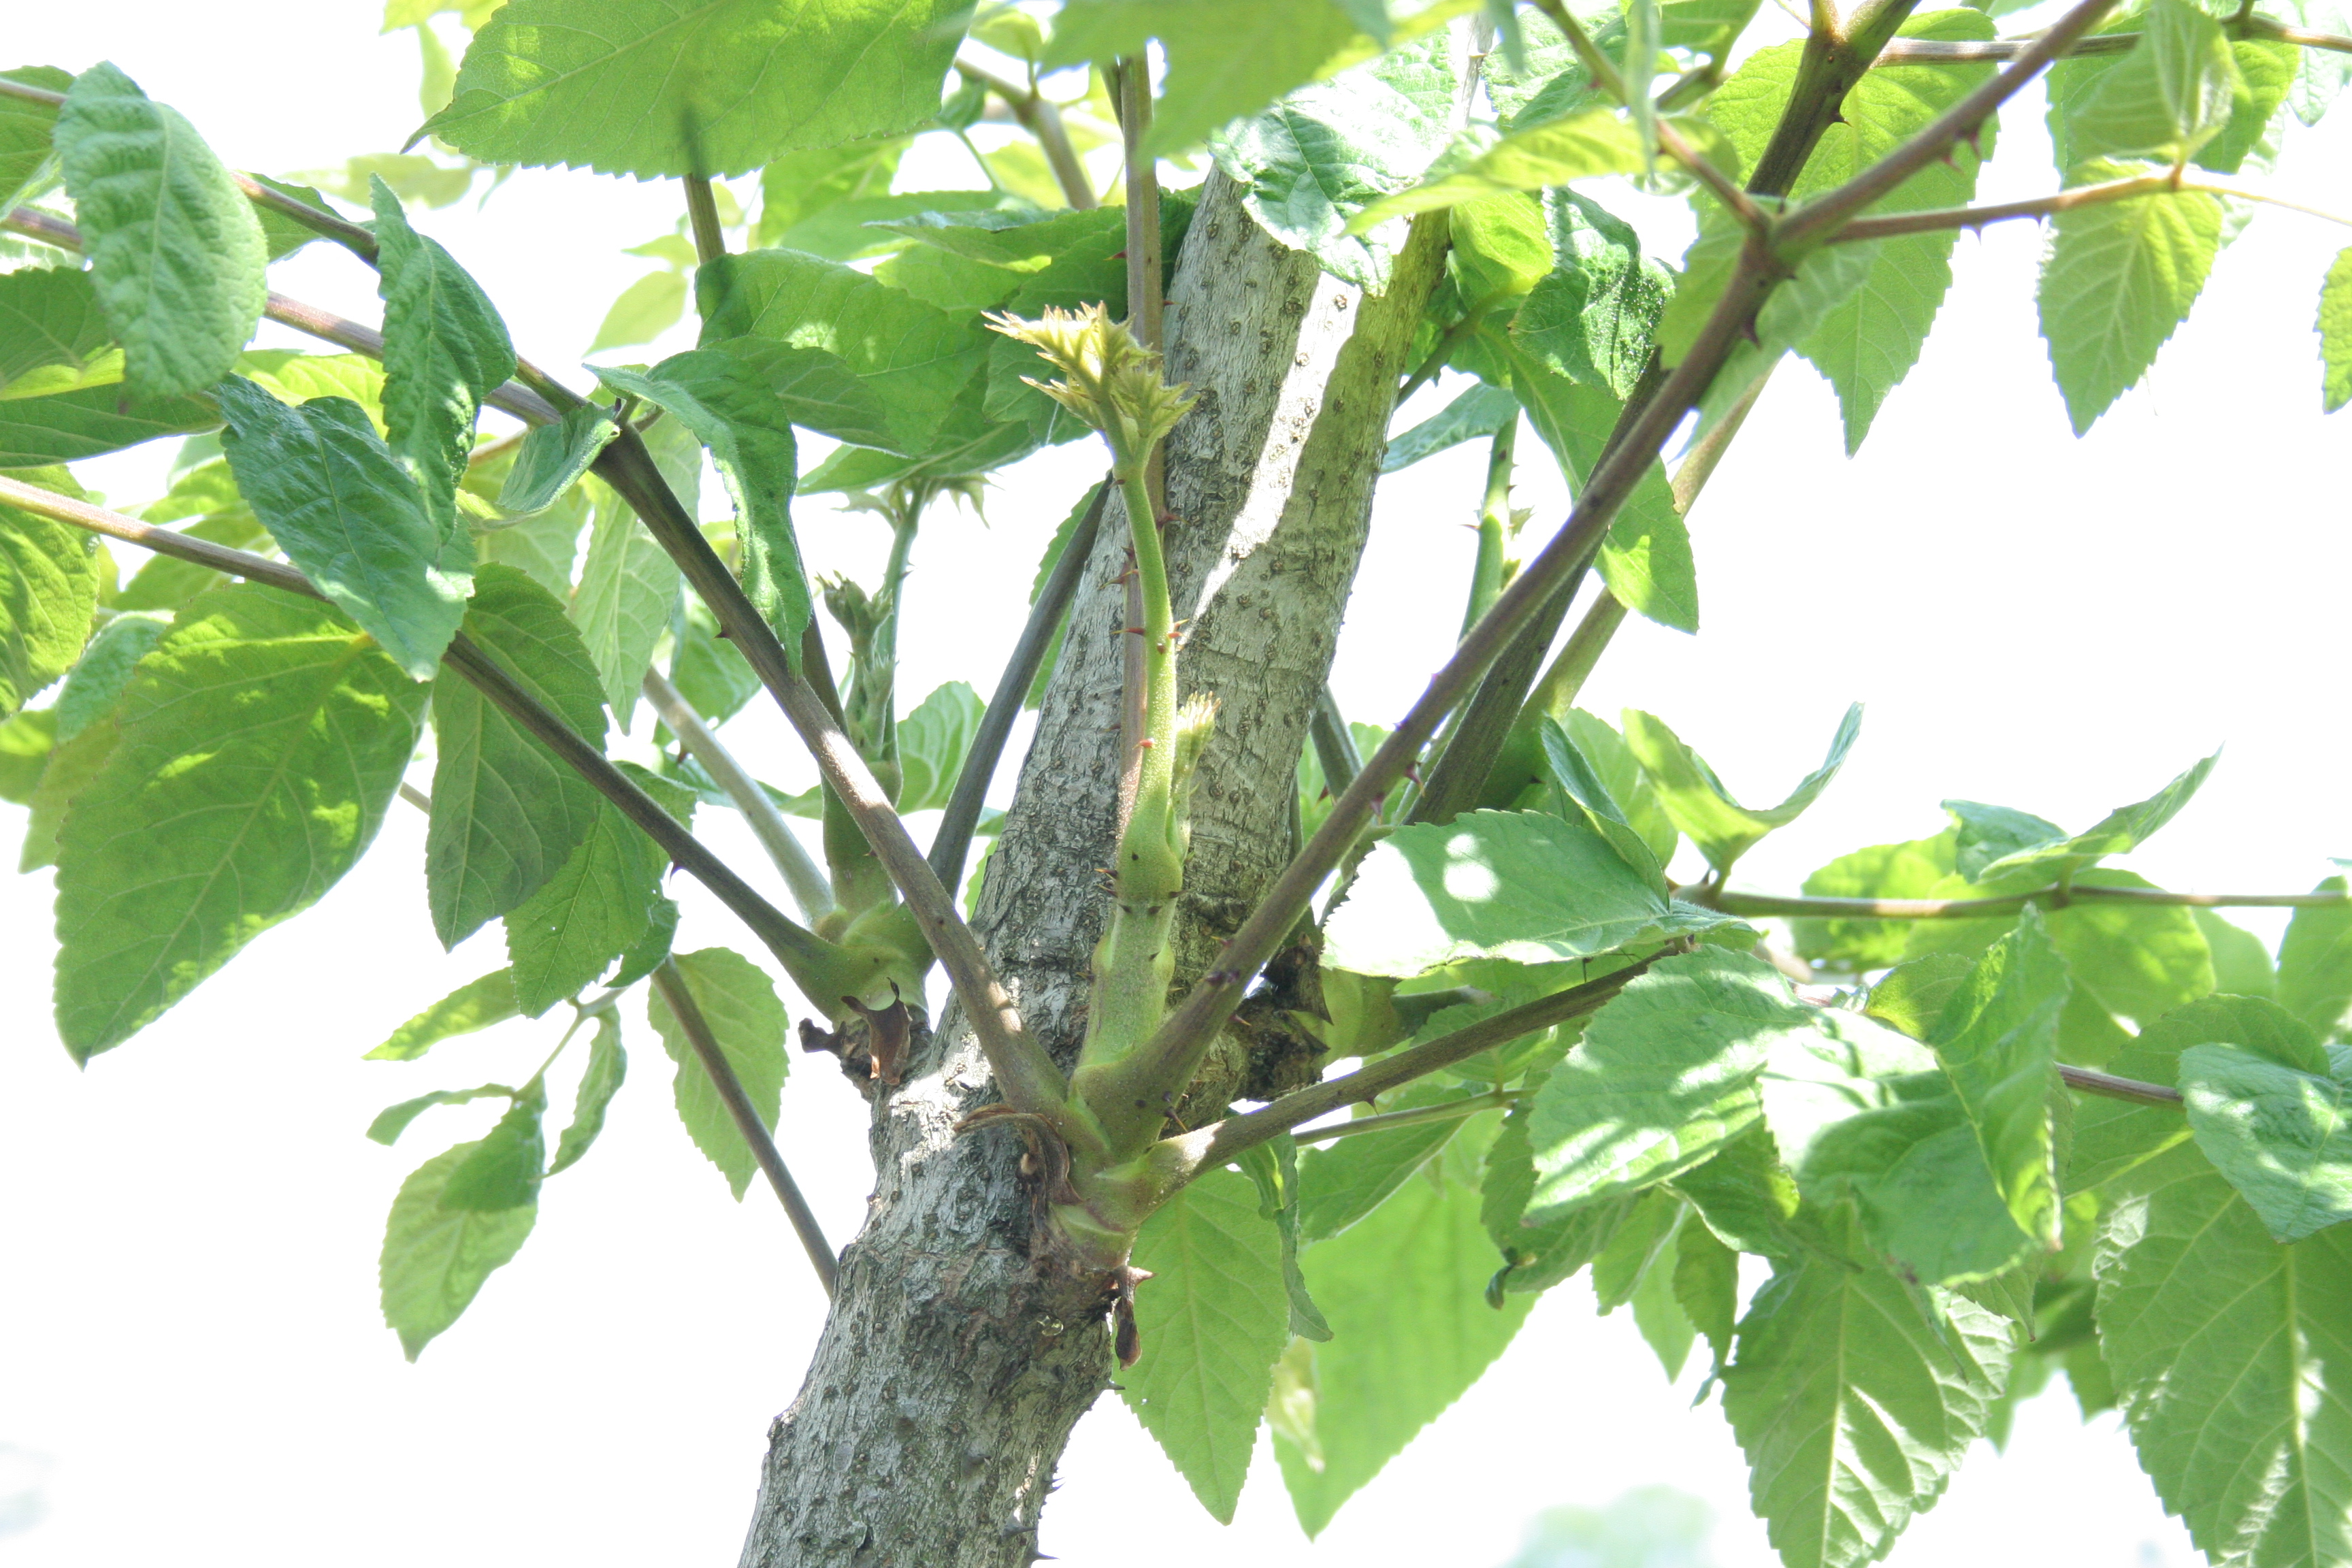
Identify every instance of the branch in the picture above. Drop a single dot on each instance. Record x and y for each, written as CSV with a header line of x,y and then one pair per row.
x,y
1220,1141
1978,908
1175,1054
702,217
2083,1080
1937,51
1886,228
1420,1115
793,945
802,875
953,842
1335,744
1815,221
1042,118
688,1014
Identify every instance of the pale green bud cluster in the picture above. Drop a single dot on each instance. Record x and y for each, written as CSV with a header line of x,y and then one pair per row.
x,y
1109,380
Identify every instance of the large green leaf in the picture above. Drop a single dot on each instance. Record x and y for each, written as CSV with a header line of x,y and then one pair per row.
x,y
435,1255
26,129
49,589
552,458
2336,333
2233,1363
1853,1406
1316,159
913,357
476,1004
2266,1104
1349,1178
1646,557
1476,415
749,430
2314,964
1538,157
1525,885
1211,1321
1665,1076
1998,842
66,426
99,678
1595,315
336,502
694,87
932,742
740,1004
1997,1039
2119,276
818,389
506,813
1911,869
173,245
445,350
259,745
50,321
2113,1138
598,904
1225,58
1699,805
1410,1332
628,586
2166,98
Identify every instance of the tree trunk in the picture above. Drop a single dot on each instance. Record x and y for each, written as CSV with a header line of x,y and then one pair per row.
x,y
950,1370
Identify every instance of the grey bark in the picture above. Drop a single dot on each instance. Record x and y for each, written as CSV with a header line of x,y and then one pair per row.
x,y
950,1370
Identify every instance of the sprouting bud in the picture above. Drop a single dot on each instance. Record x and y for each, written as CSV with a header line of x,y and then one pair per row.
x,y
1196,720
1108,380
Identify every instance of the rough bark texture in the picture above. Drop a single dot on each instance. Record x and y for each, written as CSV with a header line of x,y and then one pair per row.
x,y
950,1370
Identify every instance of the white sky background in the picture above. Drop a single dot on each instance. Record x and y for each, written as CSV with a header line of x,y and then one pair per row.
x,y
192,1363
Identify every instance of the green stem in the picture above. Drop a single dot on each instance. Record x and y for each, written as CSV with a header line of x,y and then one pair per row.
x,y
1493,529
1979,908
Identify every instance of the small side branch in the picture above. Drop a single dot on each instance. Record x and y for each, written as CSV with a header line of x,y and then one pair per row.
x,y
1893,224
2107,1085
1795,906
1041,118
952,844
802,874
688,1014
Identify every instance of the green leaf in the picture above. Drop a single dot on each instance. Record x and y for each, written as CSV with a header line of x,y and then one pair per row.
x,y
1996,842
505,1168
1536,1255
26,129
260,743
49,589
2119,276
598,906
707,668
706,87
50,321
1349,1178
1913,869
1225,58
1646,557
25,742
1576,777
2242,965
1746,1197
445,350
1699,805
914,358
339,505
2228,1353
1210,1320
1590,142
552,458
2277,1129
1410,1332
1525,886
279,233
296,378
1273,1165
818,389
661,935
2113,1138
1476,415
1316,158
175,248
1594,316
477,1004
749,431
1997,1039
628,585
932,742
506,813
1707,1289
798,186
1664,1077
69,770
2266,78
2166,98
2314,964
2336,333
98,678
543,547
608,1063
740,1006
393,1120
436,1258
68,426
1853,1406
644,312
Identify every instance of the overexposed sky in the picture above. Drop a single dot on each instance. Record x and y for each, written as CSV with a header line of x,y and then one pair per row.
x,y
191,1364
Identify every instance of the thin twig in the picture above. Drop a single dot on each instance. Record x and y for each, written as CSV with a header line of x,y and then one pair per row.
x,y
953,842
1944,52
674,991
1832,211
802,874
2107,1085
1042,118
1893,224
702,217
1335,745
1419,1116
1802,907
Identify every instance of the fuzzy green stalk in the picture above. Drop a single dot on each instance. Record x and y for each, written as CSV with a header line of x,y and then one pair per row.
x,y
1487,573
